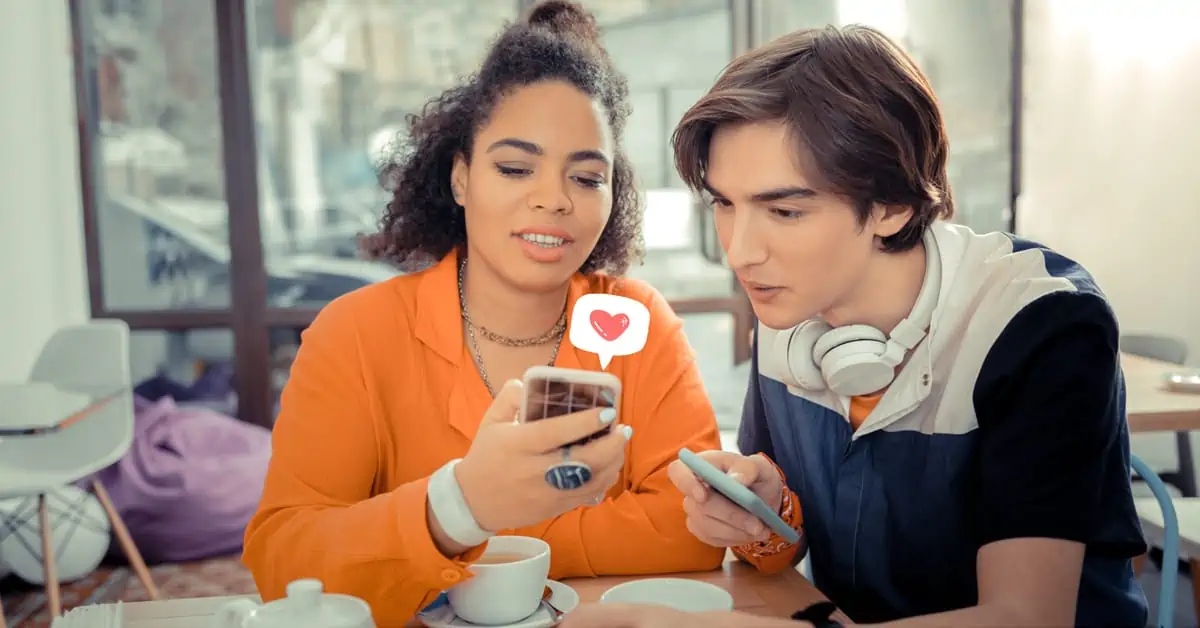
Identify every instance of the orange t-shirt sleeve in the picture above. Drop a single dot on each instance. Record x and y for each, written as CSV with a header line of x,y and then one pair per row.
x,y
643,529
317,517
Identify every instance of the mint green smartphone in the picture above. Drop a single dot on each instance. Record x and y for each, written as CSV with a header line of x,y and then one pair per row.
x,y
738,494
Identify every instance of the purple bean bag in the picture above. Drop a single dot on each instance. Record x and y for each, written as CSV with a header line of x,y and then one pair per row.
x,y
190,482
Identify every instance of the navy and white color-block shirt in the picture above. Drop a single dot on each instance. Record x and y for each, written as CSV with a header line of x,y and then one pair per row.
x,y
1008,421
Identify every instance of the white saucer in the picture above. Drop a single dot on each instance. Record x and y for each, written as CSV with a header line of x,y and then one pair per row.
x,y
681,594
562,596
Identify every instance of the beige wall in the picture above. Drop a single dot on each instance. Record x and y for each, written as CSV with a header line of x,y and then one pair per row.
x,y
42,280
1111,150
1111,171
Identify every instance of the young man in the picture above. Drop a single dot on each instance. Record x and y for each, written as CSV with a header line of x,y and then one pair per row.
x,y
940,412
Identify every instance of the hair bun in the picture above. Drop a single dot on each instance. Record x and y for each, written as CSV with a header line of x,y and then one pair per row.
x,y
565,18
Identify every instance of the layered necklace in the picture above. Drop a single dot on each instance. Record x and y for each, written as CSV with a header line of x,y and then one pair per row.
x,y
554,334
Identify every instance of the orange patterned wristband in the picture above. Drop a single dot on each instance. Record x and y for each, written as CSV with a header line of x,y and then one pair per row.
x,y
789,511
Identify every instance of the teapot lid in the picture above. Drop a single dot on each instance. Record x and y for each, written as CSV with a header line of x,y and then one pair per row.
x,y
307,606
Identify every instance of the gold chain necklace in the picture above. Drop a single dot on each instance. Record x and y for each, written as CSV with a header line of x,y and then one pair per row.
x,y
555,334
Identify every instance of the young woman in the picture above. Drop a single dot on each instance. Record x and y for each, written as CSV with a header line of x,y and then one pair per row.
x,y
396,455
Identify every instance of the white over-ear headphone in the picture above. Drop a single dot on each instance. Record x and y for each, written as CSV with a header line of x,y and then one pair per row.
x,y
858,359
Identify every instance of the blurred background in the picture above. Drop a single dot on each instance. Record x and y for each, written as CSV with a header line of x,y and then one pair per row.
x,y
218,260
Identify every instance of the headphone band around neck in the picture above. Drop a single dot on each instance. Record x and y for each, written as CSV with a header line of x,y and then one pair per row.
x,y
911,330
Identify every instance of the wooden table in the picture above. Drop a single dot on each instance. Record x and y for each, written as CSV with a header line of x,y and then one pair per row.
x,y
1150,406
778,595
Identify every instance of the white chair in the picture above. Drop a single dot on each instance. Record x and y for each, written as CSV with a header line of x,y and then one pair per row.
x,y
92,358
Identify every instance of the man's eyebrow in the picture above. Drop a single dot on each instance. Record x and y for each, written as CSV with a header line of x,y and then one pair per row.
x,y
771,195
779,194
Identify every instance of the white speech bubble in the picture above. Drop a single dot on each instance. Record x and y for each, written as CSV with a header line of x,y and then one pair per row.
x,y
609,325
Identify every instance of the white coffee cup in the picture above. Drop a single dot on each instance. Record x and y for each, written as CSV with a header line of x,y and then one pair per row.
x,y
681,594
506,591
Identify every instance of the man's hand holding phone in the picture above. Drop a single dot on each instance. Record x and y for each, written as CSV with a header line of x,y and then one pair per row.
x,y
716,520
503,475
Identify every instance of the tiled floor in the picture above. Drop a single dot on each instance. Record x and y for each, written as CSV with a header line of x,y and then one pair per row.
x,y
25,604
1185,614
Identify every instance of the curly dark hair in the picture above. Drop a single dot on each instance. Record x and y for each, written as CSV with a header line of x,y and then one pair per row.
x,y
556,40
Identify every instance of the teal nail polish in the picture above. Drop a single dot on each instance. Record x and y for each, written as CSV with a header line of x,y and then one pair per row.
x,y
607,415
627,430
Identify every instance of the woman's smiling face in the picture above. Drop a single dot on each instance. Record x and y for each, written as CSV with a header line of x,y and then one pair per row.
x,y
537,191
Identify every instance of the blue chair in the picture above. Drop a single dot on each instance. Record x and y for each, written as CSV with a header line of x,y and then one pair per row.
x,y
1170,562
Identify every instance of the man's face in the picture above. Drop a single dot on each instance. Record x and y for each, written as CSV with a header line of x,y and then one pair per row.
x,y
797,250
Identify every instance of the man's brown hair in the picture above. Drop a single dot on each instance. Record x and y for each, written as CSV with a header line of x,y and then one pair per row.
x,y
863,115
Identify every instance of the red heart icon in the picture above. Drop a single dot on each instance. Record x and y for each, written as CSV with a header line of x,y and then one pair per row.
x,y
608,326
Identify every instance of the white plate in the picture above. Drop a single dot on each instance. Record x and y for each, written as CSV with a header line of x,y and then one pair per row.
x,y
563,597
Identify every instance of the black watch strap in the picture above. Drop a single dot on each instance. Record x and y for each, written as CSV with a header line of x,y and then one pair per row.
x,y
818,615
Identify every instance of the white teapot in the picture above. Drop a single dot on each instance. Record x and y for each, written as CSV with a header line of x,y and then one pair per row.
x,y
306,606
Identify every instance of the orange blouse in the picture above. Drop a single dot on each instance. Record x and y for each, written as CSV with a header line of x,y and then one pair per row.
x,y
383,392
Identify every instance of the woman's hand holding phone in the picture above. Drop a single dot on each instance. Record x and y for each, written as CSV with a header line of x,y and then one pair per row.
x,y
503,475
